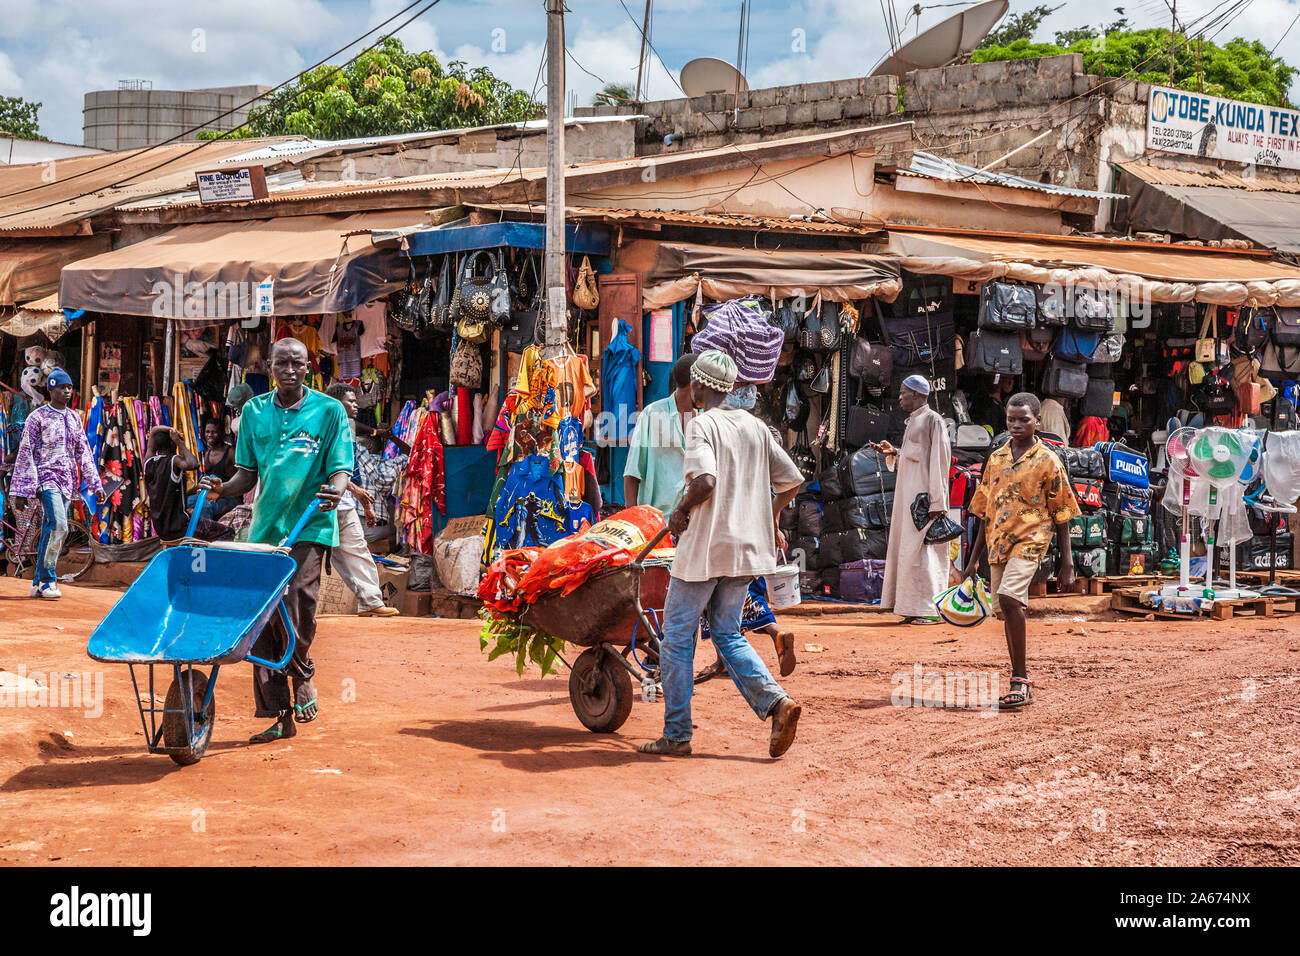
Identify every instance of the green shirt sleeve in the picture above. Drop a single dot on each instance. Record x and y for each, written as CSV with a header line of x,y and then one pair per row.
x,y
336,442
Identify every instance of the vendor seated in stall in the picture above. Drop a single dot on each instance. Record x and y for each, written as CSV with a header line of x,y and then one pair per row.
x,y
166,460
219,460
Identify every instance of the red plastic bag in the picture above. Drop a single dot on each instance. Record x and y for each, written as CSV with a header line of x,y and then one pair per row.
x,y
611,543
498,589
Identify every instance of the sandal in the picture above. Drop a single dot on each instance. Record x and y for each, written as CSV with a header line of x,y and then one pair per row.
x,y
785,653
281,729
921,620
307,711
716,669
666,748
1017,698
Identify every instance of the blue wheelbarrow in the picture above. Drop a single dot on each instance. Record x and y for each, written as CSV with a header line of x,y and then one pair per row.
x,y
196,603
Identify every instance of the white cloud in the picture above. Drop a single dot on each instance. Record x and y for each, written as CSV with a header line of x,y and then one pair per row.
x,y
11,84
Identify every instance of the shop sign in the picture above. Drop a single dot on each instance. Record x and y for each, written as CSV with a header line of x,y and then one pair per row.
x,y
1198,125
232,185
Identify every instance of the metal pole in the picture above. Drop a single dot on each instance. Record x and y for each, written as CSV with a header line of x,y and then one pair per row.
x,y
557,305
1173,33
640,64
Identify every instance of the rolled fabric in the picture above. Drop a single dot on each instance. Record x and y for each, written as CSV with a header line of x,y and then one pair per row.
x,y
753,343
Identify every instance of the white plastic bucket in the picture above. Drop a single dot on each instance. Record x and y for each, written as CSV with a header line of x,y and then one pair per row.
x,y
783,586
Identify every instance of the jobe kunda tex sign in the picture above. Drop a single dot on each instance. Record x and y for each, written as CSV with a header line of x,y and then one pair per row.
x,y
1200,125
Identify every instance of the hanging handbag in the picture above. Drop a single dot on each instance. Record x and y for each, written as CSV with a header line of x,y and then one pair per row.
x,y
1092,310
1252,332
870,363
831,334
866,424
520,330
821,383
1006,307
466,366
803,458
995,352
440,310
1036,343
1053,310
404,310
481,298
585,293
1207,347
1110,348
1286,326
795,408
787,320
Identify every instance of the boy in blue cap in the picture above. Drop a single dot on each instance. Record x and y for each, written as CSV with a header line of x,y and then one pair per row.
x,y
52,448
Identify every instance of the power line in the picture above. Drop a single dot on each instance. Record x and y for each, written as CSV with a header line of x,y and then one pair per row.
x,y
225,135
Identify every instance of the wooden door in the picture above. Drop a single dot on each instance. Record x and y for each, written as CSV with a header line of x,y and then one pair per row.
x,y
620,298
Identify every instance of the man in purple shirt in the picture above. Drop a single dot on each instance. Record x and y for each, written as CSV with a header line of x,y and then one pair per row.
x,y
52,447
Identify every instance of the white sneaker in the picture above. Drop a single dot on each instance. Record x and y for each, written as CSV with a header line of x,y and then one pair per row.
x,y
36,589
51,592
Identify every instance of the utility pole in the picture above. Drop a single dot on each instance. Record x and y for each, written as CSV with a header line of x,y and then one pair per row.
x,y
1173,33
557,321
640,64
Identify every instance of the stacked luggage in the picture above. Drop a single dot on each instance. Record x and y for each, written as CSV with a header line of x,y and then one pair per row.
x,y
1114,534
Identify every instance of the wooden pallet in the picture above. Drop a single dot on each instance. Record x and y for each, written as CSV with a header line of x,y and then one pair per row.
x,y
1095,586
1288,577
1129,601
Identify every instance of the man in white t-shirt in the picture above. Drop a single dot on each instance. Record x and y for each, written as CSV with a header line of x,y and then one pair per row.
x,y
727,535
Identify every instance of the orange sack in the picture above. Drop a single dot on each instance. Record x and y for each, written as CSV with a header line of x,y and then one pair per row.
x,y
608,544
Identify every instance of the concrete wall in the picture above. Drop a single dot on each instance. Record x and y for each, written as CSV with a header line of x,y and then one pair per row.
x,y
130,119
703,122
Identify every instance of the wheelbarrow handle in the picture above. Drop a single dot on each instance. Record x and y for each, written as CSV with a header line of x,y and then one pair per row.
x,y
311,509
198,510
651,545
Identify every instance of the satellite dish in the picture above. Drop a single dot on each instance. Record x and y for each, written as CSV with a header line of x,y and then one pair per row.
x,y
945,41
708,74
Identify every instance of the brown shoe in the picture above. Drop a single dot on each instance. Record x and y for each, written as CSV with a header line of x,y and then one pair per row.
x,y
382,611
785,719
664,747
785,653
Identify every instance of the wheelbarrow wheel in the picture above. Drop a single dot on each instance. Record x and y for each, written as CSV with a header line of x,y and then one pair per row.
x,y
184,749
600,689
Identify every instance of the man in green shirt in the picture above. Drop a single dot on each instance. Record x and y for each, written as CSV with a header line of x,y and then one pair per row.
x,y
295,444
655,471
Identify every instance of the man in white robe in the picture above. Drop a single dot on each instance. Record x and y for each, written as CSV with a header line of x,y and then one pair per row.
x,y
914,570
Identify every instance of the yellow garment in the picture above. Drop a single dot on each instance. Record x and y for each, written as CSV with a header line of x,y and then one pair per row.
x,y
1021,502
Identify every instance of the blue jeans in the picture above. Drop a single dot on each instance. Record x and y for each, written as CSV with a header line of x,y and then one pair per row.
x,y
54,528
722,599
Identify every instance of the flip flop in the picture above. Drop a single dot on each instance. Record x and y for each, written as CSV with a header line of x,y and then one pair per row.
x,y
785,653
273,733
305,712
716,669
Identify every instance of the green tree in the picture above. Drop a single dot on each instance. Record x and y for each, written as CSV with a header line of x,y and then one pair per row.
x,y
1018,26
389,90
1239,69
18,116
613,94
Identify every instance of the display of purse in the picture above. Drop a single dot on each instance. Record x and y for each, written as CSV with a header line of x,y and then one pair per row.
x,y
787,320
1286,325
1207,347
922,332
1066,379
520,330
1075,346
405,311
821,383
440,309
586,295
1006,307
466,366
804,459
866,424
1092,310
870,363
997,353
1099,400
1053,309
481,298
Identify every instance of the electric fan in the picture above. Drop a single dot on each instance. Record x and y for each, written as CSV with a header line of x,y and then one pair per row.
x,y
1178,497
1222,456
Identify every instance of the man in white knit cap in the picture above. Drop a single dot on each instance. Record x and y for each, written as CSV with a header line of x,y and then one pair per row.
x,y
727,534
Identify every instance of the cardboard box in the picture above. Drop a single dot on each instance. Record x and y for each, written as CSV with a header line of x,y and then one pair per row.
x,y
334,596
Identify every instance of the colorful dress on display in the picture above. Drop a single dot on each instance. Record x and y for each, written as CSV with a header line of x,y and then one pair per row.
x,y
425,487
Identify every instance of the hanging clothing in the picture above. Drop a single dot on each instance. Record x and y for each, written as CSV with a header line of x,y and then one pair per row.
x,y
530,511
464,417
348,343
914,570
425,487
618,373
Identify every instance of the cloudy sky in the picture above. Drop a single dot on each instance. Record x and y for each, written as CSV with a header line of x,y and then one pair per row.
x,y
57,50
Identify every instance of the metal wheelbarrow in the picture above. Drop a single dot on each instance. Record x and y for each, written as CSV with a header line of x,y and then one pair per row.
x,y
612,614
196,603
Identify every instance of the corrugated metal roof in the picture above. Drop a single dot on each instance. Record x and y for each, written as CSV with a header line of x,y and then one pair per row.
x,y
1158,176
931,166
706,219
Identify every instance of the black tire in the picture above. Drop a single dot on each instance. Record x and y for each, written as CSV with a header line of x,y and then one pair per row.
x,y
600,689
175,731
77,556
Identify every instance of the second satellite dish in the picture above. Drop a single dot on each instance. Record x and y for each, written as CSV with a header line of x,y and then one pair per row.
x,y
708,74
945,41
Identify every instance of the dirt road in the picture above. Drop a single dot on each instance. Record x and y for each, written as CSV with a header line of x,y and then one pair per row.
x,y
1150,743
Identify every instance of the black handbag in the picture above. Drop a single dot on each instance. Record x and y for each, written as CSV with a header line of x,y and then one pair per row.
x,y
940,530
1066,379
1286,326
1099,401
804,459
1009,308
1053,310
787,320
821,383
870,363
1092,310
864,472
440,310
795,408
520,330
481,297
997,353
405,309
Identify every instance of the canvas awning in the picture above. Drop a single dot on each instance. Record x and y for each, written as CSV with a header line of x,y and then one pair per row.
x,y
29,268
211,272
723,272
43,317
1160,272
1269,219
